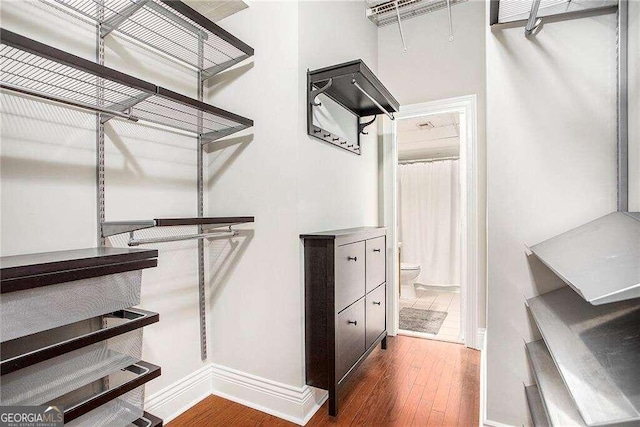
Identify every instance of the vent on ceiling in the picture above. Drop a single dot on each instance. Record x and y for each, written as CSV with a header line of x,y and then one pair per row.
x,y
425,125
385,13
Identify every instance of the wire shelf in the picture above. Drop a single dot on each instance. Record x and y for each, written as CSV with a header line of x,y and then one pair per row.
x,y
40,70
170,27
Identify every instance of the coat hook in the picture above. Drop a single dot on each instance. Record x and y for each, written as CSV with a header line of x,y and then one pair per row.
x,y
336,139
343,142
326,135
317,130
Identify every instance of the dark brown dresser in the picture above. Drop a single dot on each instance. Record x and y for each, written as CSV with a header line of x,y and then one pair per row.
x,y
345,304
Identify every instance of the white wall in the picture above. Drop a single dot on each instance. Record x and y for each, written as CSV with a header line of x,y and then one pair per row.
x,y
551,166
435,68
289,181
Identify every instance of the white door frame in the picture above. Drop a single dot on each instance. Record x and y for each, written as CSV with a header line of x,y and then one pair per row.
x,y
466,106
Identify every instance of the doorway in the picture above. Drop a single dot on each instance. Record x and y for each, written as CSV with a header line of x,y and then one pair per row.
x,y
429,226
461,113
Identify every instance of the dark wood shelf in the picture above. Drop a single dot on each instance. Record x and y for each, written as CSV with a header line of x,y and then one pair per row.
x,y
346,94
22,272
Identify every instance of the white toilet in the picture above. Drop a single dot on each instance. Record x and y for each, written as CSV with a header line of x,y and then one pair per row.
x,y
408,275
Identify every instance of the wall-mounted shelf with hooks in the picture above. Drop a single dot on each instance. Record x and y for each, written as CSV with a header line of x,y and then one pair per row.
x,y
170,27
39,70
353,86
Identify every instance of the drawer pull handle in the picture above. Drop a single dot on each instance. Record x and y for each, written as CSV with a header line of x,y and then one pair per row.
x,y
376,250
352,258
352,322
376,303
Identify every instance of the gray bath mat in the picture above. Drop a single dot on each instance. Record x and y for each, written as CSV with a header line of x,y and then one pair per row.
x,y
427,321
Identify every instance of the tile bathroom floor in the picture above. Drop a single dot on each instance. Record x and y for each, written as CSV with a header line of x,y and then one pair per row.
x,y
432,298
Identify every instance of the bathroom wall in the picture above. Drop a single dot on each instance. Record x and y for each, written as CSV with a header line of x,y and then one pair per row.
x,y
434,68
551,110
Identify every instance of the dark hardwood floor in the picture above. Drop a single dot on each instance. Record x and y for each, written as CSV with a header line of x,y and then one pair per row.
x,y
415,382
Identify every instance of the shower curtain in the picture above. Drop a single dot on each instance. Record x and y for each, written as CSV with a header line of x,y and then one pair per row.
x,y
429,220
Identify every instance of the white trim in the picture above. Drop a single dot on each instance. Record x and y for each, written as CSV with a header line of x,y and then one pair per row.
x,y
484,422
176,398
466,106
295,404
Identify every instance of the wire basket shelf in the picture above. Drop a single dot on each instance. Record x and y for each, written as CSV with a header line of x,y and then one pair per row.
x,y
171,27
39,70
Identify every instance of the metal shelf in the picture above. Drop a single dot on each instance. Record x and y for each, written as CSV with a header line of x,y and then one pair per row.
x,y
77,404
538,415
27,351
30,271
558,408
596,350
36,69
111,228
170,27
599,260
518,10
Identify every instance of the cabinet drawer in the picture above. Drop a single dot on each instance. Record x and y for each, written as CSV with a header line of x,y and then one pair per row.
x,y
376,262
350,268
350,338
376,314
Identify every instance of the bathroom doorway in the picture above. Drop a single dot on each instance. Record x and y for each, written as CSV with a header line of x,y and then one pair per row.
x,y
428,181
437,198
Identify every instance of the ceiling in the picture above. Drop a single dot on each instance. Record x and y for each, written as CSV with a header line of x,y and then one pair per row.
x,y
429,137
216,10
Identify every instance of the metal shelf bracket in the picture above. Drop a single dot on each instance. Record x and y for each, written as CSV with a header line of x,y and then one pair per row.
x,y
315,92
117,19
361,126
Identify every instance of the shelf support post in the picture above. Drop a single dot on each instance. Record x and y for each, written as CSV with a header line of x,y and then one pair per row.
x,y
100,179
623,107
202,295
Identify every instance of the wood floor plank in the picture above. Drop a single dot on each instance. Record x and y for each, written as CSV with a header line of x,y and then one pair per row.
x,y
414,382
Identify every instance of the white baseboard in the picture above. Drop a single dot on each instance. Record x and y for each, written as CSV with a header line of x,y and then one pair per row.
x,y
176,398
481,339
484,421
295,404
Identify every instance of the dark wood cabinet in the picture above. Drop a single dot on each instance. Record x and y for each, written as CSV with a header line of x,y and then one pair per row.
x,y
345,304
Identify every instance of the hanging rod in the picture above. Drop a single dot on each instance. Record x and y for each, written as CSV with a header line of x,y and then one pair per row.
x,y
439,159
213,235
355,83
404,44
79,104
